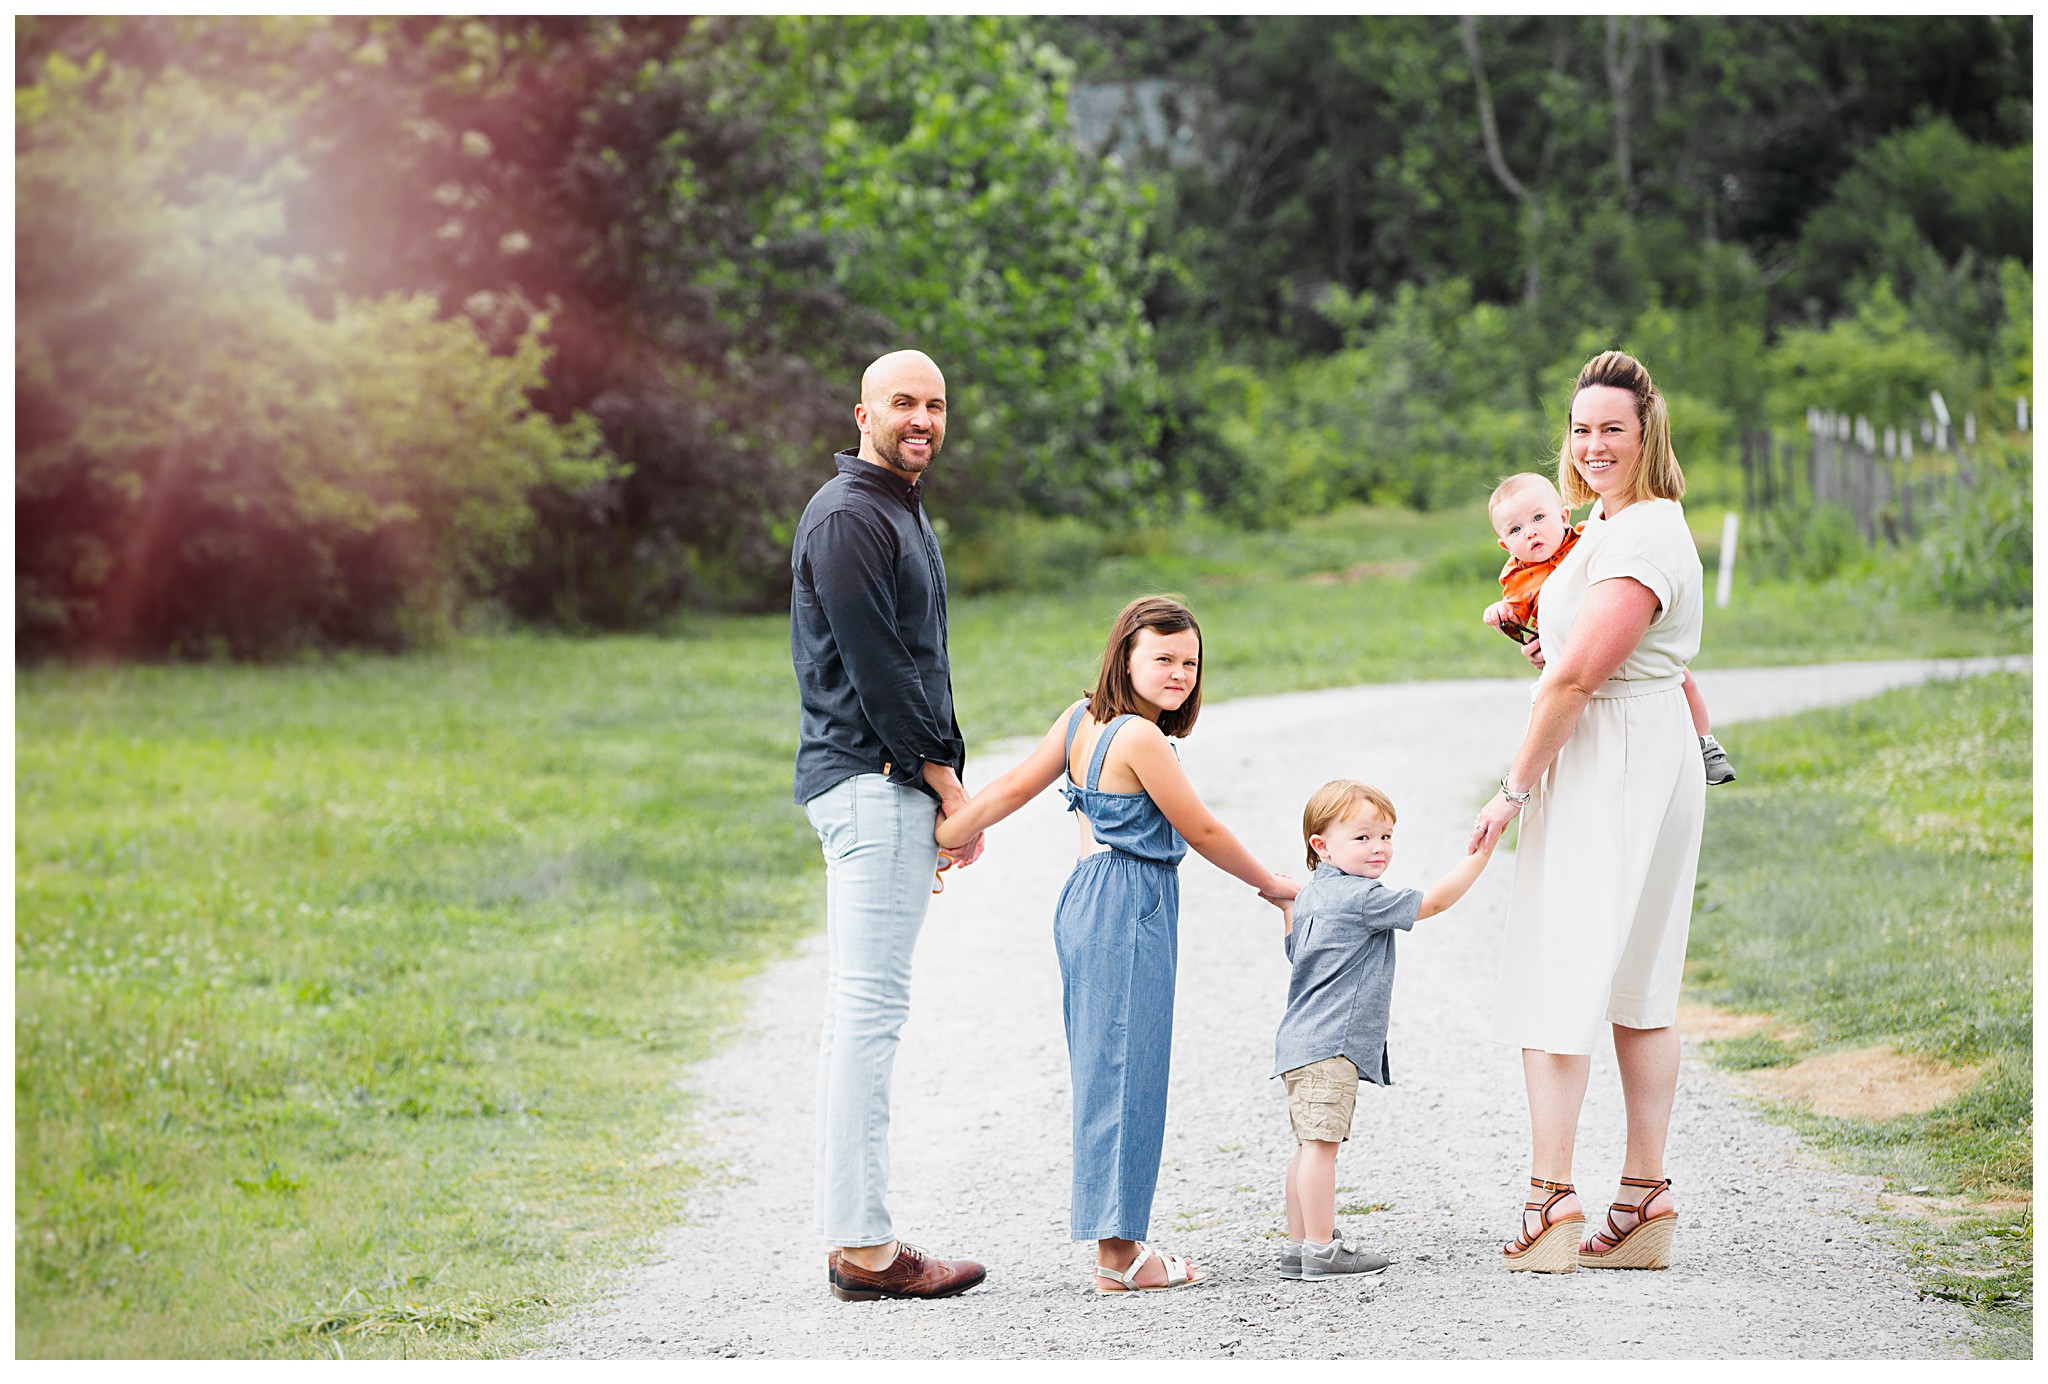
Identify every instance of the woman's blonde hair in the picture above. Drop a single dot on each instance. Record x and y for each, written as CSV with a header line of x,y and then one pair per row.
x,y
1657,473
1114,693
1332,802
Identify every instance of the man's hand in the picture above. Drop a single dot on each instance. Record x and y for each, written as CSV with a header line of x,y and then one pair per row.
x,y
966,855
952,797
1533,651
941,779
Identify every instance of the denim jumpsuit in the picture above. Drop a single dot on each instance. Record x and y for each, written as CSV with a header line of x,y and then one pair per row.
x,y
1116,931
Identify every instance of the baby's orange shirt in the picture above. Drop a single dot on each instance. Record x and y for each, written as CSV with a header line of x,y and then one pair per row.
x,y
1520,581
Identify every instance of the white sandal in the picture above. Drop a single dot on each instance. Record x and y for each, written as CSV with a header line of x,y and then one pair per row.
x,y
1177,1275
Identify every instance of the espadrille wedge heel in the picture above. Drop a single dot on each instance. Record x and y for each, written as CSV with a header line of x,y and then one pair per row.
x,y
1554,1248
1646,1244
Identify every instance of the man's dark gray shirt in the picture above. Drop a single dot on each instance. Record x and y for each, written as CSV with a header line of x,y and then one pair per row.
x,y
867,633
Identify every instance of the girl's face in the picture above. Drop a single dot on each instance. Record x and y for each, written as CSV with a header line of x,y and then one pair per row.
x,y
1607,444
1164,667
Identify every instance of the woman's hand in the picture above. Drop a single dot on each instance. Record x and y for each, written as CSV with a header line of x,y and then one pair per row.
x,y
1280,891
1533,651
1493,820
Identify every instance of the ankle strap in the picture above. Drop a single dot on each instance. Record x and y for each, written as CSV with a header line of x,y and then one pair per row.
x,y
1551,1186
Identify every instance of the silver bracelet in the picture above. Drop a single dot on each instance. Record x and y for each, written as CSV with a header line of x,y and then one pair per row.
x,y
1516,798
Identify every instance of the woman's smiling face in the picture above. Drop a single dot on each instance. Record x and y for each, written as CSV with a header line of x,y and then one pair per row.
x,y
1606,442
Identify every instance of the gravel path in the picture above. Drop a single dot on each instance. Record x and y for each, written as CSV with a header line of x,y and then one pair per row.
x,y
1774,1258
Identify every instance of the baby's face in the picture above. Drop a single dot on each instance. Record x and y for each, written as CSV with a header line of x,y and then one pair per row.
x,y
1358,843
1530,523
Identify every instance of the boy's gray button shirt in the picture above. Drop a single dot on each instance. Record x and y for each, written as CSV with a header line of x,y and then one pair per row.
x,y
1342,989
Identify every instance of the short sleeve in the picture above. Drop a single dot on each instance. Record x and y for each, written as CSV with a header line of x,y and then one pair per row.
x,y
1393,908
1370,903
1646,551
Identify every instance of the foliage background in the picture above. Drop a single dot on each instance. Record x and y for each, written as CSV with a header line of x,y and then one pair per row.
x,y
362,331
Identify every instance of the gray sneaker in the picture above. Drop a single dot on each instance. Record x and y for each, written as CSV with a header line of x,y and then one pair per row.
x,y
1719,770
1337,1259
1289,1263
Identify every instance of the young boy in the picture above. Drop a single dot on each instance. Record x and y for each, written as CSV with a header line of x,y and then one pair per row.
x,y
1529,519
1340,941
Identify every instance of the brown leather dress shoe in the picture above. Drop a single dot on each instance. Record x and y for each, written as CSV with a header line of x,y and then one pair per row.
x,y
913,1274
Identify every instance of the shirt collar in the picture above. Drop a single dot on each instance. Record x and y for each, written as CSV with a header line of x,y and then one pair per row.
x,y
852,463
1325,870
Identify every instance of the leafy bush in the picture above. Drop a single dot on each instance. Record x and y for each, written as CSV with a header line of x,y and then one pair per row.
x,y
1024,552
1427,406
1980,550
205,463
958,207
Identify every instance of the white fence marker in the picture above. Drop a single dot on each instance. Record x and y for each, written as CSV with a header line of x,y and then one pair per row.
x,y
1724,585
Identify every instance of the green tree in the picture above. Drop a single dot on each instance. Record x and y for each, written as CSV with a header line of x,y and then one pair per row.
x,y
959,209
204,462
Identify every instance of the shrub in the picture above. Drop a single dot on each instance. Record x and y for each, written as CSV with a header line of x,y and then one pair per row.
x,y
204,462
1979,552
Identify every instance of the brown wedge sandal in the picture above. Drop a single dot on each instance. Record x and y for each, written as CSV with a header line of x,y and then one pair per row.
x,y
1647,1245
1554,1250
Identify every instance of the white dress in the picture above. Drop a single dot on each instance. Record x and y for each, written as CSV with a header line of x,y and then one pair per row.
x,y
1610,838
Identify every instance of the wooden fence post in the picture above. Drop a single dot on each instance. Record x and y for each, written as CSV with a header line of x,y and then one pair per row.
x,y
1724,584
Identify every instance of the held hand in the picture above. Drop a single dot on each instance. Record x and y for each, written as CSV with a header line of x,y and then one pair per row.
x,y
1280,890
1533,651
966,855
1493,820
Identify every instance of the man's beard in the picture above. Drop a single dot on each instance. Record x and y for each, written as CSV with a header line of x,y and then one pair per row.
x,y
891,452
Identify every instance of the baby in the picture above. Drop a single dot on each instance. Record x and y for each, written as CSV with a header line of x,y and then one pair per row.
x,y
1530,520
1340,942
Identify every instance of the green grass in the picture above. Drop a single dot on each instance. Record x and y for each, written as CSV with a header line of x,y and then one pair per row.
x,y
350,996
1876,888
1377,596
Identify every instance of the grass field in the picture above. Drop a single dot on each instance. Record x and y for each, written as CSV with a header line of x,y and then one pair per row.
x,y
1874,893
351,995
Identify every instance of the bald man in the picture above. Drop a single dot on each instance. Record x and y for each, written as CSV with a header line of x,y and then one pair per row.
x,y
878,759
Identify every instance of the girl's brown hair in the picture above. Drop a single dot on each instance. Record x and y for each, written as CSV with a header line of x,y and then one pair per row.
x,y
1657,473
1114,695
1329,805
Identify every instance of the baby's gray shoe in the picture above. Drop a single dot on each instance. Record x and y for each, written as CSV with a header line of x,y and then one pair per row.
x,y
1289,1263
1719,770
1337,1259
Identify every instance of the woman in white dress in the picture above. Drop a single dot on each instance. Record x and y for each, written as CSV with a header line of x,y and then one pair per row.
x,y
1612,794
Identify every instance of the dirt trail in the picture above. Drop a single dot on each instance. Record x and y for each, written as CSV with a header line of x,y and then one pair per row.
x,y
1773,1257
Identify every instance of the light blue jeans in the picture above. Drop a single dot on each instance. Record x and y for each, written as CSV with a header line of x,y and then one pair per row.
x,y
879,857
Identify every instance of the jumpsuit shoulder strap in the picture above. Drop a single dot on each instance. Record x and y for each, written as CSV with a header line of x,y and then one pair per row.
x,y
1073,724
1102,748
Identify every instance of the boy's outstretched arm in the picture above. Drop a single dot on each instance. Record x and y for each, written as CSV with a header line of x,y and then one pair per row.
x,y
1452,886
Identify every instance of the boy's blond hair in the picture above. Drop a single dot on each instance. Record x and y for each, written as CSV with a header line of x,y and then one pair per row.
x,y
1331,802
1521,480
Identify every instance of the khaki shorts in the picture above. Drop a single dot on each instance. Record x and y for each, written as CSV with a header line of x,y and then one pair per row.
x,y
1320,1099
